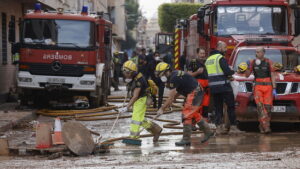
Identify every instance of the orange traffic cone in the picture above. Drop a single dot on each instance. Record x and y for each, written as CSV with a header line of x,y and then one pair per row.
x,y
57,132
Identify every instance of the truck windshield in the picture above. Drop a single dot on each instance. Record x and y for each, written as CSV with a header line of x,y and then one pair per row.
x,y
164,39
288,58
231,20
61,33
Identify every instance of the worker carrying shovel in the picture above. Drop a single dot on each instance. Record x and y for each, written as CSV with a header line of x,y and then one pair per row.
x,y
184,84
137,88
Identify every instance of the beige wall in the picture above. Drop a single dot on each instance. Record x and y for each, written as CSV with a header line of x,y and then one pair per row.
x,y
76,5
192,1
151,29
120,19
118,15
7,71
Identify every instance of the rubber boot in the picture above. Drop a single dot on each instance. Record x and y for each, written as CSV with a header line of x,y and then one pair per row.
x,y
234,130
203,125
261,129
155,129
219,129
226,128
266,127
260,113
194,128
186,139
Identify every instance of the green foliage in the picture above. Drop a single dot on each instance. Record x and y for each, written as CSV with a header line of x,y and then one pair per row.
x,y
168,13
133,13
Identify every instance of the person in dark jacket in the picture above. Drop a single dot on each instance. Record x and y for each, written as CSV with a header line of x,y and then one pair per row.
x,y
142,63
182,62
219,74
161,86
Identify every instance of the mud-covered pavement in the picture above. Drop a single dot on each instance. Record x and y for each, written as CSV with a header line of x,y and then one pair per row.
x,y
247,150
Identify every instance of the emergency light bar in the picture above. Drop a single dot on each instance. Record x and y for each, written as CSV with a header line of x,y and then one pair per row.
x,y
84,10
37,7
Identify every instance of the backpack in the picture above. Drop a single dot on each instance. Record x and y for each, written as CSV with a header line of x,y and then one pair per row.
x,y
152,87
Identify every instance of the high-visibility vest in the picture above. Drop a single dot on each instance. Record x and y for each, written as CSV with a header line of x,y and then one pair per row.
x,y
216,75
135,60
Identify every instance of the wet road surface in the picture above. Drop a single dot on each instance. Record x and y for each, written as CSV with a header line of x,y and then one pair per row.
x,y
247,150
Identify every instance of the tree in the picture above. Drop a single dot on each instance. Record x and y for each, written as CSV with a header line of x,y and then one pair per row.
x,y
133,14
168,13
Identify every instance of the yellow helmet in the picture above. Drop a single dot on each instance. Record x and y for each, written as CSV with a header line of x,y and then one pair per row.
x,y
243,66
129,66
297,69
277,66
162,66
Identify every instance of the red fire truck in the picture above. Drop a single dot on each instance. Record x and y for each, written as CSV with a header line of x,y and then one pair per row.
x,y
286,106
64,54
244,24
222,18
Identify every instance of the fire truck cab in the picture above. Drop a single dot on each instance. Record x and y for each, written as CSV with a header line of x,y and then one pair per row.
x,y
64,54
221,19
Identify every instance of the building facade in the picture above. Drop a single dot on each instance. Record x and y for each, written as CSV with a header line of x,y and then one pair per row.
x,y
192,1
141,30
116,10
151,29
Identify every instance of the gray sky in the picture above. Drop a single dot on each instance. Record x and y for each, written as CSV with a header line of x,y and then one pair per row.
x,y
149,7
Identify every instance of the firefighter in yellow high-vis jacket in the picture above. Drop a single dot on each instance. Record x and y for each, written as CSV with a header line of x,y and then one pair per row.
x,y
137,88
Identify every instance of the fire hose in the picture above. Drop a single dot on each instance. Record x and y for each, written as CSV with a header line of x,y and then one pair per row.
x,y
101,113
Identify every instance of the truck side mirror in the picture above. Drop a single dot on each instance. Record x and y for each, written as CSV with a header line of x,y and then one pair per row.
x,y
201,13
200,26
200,23
297,21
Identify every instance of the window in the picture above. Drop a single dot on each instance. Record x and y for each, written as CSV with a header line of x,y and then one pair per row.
x,y
61,33
4,39
12,29
263,20
288,58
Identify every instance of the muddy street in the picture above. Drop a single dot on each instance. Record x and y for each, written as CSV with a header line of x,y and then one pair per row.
x,y
247,150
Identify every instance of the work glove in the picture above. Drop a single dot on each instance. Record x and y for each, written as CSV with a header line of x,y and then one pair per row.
x,y
122,110
274,93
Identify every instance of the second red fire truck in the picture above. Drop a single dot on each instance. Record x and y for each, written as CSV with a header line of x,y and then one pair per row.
x,y
64,54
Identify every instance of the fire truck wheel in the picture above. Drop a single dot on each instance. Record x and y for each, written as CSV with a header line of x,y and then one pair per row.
x,y
40,102
94,101
23,101
100,97
25,96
